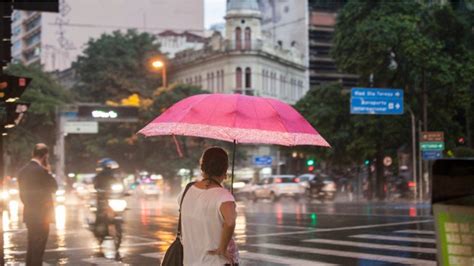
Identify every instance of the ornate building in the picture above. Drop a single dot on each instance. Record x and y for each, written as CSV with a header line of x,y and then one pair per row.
x,y
245,60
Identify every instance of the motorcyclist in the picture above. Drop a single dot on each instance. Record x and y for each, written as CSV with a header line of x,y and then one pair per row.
x,y
103,182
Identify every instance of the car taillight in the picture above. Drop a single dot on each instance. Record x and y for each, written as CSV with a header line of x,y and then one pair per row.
x,y
277,180
297,180
411,184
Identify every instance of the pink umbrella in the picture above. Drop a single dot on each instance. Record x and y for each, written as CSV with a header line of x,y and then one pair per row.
x,y
236,118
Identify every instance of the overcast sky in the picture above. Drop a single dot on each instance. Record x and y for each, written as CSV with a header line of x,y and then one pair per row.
x,y
214,12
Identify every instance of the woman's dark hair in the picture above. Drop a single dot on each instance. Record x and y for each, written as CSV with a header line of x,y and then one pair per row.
x,y
214,162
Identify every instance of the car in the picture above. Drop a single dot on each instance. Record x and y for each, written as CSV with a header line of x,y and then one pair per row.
x,y
277,186
319,186
242,187
150,189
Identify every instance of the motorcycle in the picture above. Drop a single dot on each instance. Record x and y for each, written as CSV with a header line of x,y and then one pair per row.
x,y
321,189
107,215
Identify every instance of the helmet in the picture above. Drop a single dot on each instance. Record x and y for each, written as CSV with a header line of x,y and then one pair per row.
x,y
106,164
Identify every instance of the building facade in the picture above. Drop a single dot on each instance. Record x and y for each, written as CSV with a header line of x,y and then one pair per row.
x,y
308,27
172,42
322,20
244,60
54,40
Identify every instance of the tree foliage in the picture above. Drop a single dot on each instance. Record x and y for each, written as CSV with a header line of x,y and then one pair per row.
x,y
410,45
115,66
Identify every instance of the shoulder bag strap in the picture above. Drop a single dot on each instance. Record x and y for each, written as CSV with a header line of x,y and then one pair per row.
x,y
189,185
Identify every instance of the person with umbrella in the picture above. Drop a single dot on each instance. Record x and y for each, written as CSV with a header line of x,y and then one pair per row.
x,y
208,215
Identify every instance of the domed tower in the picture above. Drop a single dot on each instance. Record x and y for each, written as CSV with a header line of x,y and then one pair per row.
x,y
243,24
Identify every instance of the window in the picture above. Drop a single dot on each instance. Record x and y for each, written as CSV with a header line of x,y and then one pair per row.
x,y
273,83
264,81
222,80
16,30
208,79
196,80
218,81
16,15
212,82
33,39
33,24
238,78
282,86
300,89
248,38
293,89
200,80
16,47
248,78
238,38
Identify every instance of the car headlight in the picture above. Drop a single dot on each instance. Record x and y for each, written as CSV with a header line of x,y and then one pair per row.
x,y
117,188
13,191
239,185
118,205
60,199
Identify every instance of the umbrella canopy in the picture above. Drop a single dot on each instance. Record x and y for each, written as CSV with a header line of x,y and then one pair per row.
x,y
236,118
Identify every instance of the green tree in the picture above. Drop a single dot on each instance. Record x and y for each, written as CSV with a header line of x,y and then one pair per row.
x,y
115,66
112,68
39,123
409,45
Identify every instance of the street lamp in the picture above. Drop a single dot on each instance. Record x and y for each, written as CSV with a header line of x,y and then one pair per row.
x,y
159,64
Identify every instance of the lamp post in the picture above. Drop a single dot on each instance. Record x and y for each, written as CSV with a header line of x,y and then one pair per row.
x,y
158,64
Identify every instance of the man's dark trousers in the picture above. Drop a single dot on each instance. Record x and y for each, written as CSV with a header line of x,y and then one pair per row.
x,y
37,237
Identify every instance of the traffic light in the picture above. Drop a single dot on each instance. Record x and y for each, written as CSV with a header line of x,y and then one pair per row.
x,y
310,168
461,140
12,87
310,162
367,162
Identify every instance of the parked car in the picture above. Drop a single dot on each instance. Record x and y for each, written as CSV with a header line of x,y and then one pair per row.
x,y
277,186
319,186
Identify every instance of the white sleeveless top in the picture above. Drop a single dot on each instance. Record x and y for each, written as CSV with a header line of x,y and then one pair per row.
x,y
201,222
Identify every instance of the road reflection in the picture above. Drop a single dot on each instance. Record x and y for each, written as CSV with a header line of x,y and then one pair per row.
x,y
60,213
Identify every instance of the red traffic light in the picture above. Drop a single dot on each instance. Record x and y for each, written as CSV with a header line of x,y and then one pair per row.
x,y
461,140
12,87
311,168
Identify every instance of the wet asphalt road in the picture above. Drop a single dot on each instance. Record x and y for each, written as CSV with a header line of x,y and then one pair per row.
x,y
282,233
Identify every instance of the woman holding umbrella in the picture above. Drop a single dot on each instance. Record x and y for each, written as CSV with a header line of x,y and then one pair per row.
x,y
208,215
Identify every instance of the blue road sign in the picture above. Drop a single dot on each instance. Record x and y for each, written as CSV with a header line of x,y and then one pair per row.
x,y
432,155
374,101
262,160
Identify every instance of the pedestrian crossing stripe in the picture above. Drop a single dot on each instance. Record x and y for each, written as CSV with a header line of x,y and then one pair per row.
x,y
245,255
154,255
103,261
396,238
420,232
371,245
347,254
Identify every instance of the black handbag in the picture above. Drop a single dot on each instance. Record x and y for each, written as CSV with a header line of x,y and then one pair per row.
x,y
174,255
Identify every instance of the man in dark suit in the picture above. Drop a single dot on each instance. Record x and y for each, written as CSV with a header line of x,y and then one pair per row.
x,y
36,188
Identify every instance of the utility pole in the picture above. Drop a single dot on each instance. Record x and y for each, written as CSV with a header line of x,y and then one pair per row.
x,y
425,176
413,150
